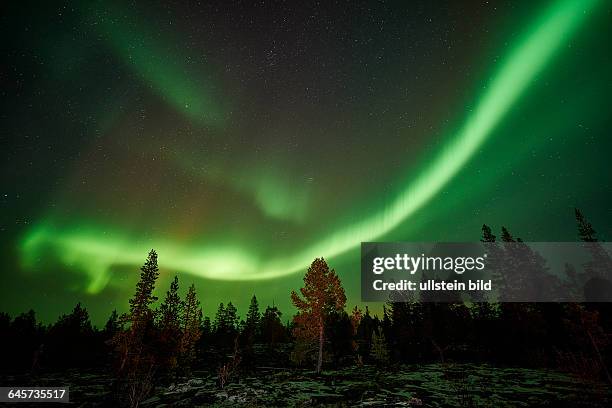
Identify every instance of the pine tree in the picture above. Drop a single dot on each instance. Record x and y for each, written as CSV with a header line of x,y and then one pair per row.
x,y
271,328
364,333
586,232
253,317
249,330
601,264
506,236
220,322
68,342
192,321
136,346
356,316
323,294
516,279
171,308
140,304
169,314
79,318
495,263
231,317
206,327
26,338
526,271
112,325
339,336
487,235
403,326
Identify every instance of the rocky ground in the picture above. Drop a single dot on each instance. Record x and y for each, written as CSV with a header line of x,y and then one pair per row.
x,y
463,385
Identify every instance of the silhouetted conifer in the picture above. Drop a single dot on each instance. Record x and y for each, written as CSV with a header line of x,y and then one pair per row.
x,y
487,235
191,330
339,337
356,316
69,340
250,332
112,326
169,323
137,345
364,333
219,324
140,304
253,317
272,330
586,232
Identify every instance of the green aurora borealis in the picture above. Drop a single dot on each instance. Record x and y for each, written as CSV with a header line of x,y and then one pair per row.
x,y
240,181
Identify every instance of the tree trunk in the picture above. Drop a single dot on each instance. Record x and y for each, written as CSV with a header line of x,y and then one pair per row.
x,y
320,361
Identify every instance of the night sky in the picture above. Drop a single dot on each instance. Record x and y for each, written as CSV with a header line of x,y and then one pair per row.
x,y
243,139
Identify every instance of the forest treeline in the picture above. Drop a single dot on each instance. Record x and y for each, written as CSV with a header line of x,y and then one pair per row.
x,y
161,340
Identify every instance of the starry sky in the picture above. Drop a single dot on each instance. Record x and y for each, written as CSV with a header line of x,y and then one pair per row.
x,y
243,139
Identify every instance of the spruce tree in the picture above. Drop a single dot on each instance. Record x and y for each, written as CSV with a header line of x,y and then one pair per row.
x,y
507,236
231,317
169,315
112,325
495,264
143,299
600,266
364,333
171,308
206,327
192,321
271,329
69,339
487,235
253,316
514,267
249,332
220,322
586,232
136,346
